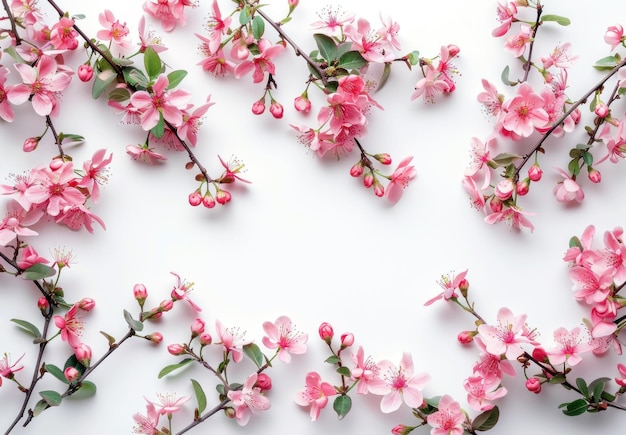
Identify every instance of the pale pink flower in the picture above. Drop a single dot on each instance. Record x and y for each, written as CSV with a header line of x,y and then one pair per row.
x,y
482,392
113,30
169,403
214,62
71,326
147,38
477,197
570,344
331,20
7,369
77,216
42,84
191,122
560,57
513,216
567,190
589,286
506,337
449,418
27,10
616,145
389,31
181,292
144,154
516,44
6,111
149,423
315,394
613,257
161,102
399,384
94,173
490,366
480,156
430,86
524,112
261,63
446,68
248,400
614,36
55,187
365,370
217,26
582,256
233,340
16,222
371,46
400,179
490,99
449,284
169,12
506,15
283,336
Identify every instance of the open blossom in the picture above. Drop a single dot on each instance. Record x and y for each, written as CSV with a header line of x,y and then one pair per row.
x,y
233,340
144,154
248,400
170,12
315,394
449,418
71,326
481,392
371,46
261,63
400,180
449,285
332,20
147,424
430,86
63,36
516,44
570,344
614,35
217,26
188,130
524,112
506,14
567,190
399,384
514,216
54,188
169,403
181,292
365,370
490,99
6,111
95,173
506,337
147,38
281,335
560,57
480,156
160,102
113,30
41,84
7,369
16,222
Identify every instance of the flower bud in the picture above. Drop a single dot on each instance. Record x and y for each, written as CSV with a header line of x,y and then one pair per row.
x,y
43,305
140,293
30,144
276,109
401,430
466,337
535,172
155,337
195,198
602,110
86,304
176,349
293,4
326,332
539,354
383,158
379,190
83,354
71,374
264,382
197,327
347,340
206,339
258,107
595,176
522,187
496,205
223,196
208,201
85,73
357,169
504,189
368,180
453,50
302,103
230,412
166,305
464,287
533,385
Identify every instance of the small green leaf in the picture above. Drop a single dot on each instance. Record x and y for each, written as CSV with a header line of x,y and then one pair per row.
x,y
122,61
244,16
575,153
344,371
333,359
200,396
342,406
102,81
582,386
588,158
332,86
152,63
172,367
607,63
351,60
135,77
598,387
385,76
159,130
27,327
38,271
132,323
574,242
326,46
40,406
78,17
253,352
557,379
87,389
573,167
487,420
577,407
175,77
557,18
413,57
56,372
119,95
258,27
71,139
52,398
505,77
504,159
220,389
109,338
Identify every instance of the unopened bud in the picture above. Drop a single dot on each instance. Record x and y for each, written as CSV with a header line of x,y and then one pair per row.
x,y
347,340
86,304
205,339
223,196
155,337
71,374
43,305
140,293
594,176
195,198
466,337
176,349
326,332
533,385
197,327
264,382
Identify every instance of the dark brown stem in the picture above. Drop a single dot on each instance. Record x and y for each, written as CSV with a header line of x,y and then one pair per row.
x,y
528,63
56,136
16,35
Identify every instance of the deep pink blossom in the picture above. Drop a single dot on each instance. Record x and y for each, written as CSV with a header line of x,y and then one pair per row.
x,y
217,26
161,102
6,111
400,179
7,369
113,31
261,63
71,326
506,15
188,130
248,400
63,36
95,173
315,394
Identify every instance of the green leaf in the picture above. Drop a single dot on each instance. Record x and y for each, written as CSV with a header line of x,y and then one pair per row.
x,y
38,271
607,63
132,323
575,153
385,76
175,77
135,77
413,57
200,396
87,389
487,420
172,367
253,352
597,386
505,77
588,158
119,95
582,386
333,359
71,139
344,371
52,398
504,159
56,372
342,405
573,167
258,27
557,379
78,17
574,242
159,129
102,81
577,407
72,361
152,63
351,60
122,61
244,16
109,338
326,46
557,18
40,406
27,327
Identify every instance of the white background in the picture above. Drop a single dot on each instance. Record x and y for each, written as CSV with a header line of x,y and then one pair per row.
x,y
306,240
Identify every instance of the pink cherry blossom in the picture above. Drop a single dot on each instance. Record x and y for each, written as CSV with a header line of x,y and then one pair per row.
x,y
430,86
42,84
490,366
371,46
248,400
449,284
584,255
261,63
215,63
448,419
169,403
233,339
283,336
63,36
490,99
570,344
516,44
113,30
477,197
332,20
514,216
16,222
144,154
482,392
613,256
6,111
29,257
169,12
77,216
567,190
71,326
161,102
54,188
366,371
181,292
399,384
590,287
149,423
614,36
389,31
191,122
480,156
560,57
400,179
147,38
217,26
315,394
95,171
524,112
7,369
506,337
506,15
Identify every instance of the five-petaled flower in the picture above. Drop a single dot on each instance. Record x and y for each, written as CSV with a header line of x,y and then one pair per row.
x,y
315,394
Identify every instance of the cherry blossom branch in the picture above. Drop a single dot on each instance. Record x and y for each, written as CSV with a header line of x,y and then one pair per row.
x,y
528,63
574,106
57,141
7,9
205,417
191,154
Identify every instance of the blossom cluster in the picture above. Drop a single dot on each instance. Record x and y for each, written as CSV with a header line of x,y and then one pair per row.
x,y
497,179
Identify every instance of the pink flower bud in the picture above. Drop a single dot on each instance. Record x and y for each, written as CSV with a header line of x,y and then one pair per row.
x,y
30,144
357,169
86,304
85,72
71,374
195,198
368,180
595,176
258,107
383,158
293,3
522,187
602,110
155,337
223,196
83,354
465,337
453,50
347,339
326,332
208,201
496,205
197,327
166,305
535,173
176,349
276,109
401,430
140,293
576,115
504,189
206,339
379,190
302,103
43,305
533,385
230,412
264,382
614,35
539,354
